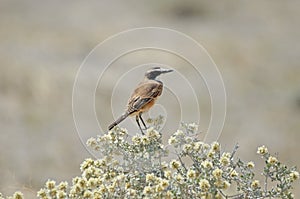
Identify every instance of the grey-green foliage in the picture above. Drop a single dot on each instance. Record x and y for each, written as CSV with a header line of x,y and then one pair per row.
x,y
140,167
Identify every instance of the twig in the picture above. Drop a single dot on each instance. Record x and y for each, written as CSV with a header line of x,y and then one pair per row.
x,y
181,161
234,150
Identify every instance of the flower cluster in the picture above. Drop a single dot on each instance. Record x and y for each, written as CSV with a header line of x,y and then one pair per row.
x,y
140,166
52,190
16,195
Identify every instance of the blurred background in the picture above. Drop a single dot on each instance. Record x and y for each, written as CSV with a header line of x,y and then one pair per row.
x,y
254,43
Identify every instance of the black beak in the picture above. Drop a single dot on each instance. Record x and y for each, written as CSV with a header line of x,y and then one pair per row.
x,y
166,70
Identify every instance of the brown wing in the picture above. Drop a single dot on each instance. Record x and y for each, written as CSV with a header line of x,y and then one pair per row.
x,y
143,95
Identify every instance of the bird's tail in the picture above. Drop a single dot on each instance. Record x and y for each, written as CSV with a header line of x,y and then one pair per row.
x,y
119,120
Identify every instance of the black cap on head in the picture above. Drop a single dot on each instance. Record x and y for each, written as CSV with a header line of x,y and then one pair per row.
x,y
156,71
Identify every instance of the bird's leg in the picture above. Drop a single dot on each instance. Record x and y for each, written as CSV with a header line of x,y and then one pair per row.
x,y
138,122
140,116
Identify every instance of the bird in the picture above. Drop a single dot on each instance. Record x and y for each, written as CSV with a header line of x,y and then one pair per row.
x,y
143,97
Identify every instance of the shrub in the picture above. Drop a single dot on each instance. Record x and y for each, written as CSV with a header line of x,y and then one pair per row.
x,y
140,167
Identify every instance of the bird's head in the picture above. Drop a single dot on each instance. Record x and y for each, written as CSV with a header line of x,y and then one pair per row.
x,y
154,72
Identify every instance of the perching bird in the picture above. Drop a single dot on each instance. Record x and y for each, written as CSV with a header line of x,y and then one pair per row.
x,y
143,97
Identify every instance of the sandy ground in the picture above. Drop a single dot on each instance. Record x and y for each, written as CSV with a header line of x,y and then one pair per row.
x,y
254,44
